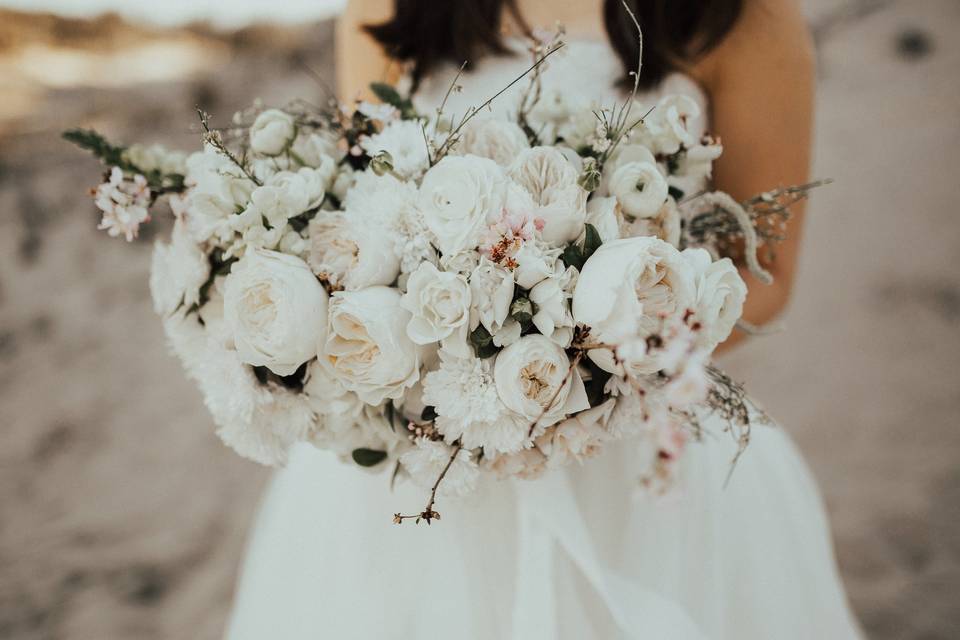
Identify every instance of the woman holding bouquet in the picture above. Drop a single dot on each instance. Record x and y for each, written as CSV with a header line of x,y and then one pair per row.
x,y
583,553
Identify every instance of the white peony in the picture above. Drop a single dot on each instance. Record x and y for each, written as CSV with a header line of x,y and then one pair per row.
x,y
639,187
403,140
439,303
458,198
463,393
496,139
351,253
534,262
276,310
720,294
551,181
535,381
628,289
427,460
367,347
491,289
272,132
177,272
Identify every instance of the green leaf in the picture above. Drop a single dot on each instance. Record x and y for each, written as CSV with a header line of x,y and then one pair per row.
x,y
522,310
591,242
677,194
482,342
386,93
572,256
368,457
429,414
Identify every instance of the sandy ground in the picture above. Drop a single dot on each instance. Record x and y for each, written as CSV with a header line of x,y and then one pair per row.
x,y
122,516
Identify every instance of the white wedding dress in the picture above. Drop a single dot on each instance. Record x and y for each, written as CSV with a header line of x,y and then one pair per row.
x,y
578,554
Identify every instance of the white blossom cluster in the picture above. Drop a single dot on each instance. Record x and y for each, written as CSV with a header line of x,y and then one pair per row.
x,y
480,312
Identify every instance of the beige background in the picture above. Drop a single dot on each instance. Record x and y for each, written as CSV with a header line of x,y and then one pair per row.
x,y
122,516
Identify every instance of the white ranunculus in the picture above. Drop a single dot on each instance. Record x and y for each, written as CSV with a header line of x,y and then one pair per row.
x,y
463,263
720,294
367,347
551,180
307,180
272,132
491,287
627,289
639,187
276,310
496,139
459,196
535,381
348,252
439,303
177,272
603,214
403,140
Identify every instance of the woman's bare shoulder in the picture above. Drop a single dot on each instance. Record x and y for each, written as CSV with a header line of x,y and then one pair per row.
x,y
360,60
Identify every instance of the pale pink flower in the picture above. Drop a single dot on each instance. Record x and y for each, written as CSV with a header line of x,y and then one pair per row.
x,y
123,203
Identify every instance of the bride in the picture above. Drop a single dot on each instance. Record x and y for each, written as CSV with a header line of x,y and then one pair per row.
x,y
581,553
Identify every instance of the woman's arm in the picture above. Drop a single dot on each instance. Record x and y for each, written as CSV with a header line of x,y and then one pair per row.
x,y
761,86
359,59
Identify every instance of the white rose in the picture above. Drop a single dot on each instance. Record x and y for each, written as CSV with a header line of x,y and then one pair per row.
x,y
491,289
439,303
551,180
459,196
534,263
602,213
628,288
276,203
309,182
276,310
177,272
403,140
498,140
208,172
367,347
720,294
350,252
314,150
639,187
272,132
669,123
209,217
534,381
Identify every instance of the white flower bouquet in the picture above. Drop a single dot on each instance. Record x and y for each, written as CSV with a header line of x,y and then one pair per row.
x,y
444,298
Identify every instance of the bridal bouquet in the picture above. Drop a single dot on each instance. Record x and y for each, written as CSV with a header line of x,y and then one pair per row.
x,y
448,297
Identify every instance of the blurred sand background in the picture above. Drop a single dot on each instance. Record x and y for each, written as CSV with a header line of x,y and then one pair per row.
x,y
122,516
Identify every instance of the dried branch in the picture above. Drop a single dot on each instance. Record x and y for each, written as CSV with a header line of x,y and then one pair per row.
x,y
428,514
215,139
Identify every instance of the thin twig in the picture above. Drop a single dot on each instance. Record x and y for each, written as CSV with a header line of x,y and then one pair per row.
x,y
428,513
213,138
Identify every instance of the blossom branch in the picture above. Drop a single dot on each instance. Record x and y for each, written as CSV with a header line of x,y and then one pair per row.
x,y
428,513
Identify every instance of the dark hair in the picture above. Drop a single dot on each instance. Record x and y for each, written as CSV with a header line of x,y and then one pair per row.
x,y
675,32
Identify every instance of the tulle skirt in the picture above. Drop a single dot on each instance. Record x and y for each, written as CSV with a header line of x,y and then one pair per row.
x,y
581,553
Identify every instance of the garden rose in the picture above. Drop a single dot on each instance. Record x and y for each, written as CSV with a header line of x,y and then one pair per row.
x,y
551,181
720,294
440,305
276,310
272,132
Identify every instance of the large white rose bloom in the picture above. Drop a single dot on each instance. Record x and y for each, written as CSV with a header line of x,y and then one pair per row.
x,y
535,382
403,140
367,347
427,460
177,272
350,252
493,138
459,197
272,132
668,124
628,289
551,181
276,309
439,304
720,294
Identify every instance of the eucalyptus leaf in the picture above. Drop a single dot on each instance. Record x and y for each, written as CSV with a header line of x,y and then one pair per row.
x,y
368,457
